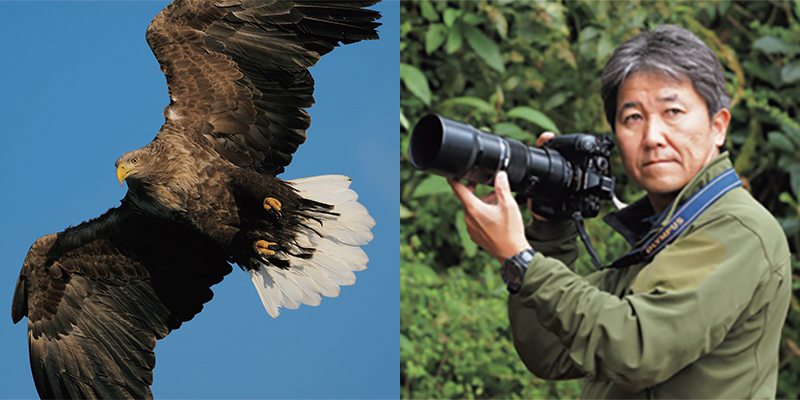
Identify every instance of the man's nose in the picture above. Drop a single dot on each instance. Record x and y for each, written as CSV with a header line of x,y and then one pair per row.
x,y
656,133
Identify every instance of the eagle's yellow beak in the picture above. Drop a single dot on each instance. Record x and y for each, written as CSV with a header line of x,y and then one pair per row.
x,y
122,172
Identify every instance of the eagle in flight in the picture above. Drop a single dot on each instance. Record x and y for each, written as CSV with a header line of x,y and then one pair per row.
x,y
203,194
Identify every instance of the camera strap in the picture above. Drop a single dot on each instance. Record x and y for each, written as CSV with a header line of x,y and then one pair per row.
x,y
684,217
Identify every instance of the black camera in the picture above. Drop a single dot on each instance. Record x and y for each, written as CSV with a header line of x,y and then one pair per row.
x,y
570,174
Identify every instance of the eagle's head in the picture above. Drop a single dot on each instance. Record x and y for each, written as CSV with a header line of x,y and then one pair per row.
x,y
131,164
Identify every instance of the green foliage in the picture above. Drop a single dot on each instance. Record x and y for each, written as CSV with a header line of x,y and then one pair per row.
x,y
454,343
518,68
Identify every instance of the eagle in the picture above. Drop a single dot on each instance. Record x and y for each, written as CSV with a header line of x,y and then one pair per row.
x,y
203,194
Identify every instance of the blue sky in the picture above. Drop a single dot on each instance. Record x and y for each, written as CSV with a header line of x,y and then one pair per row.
x,y
79,87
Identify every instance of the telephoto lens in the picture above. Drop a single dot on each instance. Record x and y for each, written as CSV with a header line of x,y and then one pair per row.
x,y
456,150
566,178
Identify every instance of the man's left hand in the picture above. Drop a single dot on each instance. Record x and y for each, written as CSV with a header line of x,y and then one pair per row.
x,y
494,221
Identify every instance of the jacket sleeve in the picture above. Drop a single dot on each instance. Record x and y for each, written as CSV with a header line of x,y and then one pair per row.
x,y
540,350
680,307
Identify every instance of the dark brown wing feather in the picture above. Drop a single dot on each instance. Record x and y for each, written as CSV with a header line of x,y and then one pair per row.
x,y
99,295
238,70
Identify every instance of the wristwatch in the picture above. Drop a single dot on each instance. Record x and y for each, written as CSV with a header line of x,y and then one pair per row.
x,y
514,267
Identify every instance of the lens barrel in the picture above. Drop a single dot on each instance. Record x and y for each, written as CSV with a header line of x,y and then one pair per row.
x,y
456,150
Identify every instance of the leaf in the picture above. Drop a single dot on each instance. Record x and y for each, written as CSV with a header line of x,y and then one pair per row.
x,y
434,37
405,212
428,12
790,73
485,47
757,70
424,274
469,246
556,100
794,304
587,40
794,178
406,344
779,141
433,184
787,199
604,47
711,10
511,130
744,161
416,82
450,16
499,20
792,347
454,40
472,18
534,116
771,45
791,227
490,277
404,122
474,102
723,7
792,131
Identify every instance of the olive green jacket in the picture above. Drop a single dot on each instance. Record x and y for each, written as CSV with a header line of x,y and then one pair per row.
x,y
702,320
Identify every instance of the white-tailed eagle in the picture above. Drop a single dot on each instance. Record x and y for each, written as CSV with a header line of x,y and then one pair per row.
x,y
203,194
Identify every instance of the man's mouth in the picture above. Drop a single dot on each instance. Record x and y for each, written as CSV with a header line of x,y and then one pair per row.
x,y
655,162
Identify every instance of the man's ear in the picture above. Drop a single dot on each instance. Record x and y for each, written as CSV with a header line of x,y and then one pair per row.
x,y
719,126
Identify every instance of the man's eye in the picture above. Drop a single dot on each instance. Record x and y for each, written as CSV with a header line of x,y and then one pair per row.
x,y
632,117
674,111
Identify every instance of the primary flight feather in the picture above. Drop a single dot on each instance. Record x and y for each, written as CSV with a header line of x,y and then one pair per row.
x,y
202,194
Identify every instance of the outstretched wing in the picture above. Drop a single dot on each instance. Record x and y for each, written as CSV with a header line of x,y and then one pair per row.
x,y
238,74
99,295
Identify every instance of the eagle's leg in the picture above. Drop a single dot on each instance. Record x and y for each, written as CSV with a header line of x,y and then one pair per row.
x,y
271,211
273,206
265,248
252,245
275,196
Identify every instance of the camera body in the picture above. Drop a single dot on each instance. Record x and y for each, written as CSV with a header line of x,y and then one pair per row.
x,y
588,155
569,174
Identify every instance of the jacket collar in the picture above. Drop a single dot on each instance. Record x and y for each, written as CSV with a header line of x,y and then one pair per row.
x,y
637,220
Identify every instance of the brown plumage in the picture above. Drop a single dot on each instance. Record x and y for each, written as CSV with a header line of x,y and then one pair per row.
x,y
202,194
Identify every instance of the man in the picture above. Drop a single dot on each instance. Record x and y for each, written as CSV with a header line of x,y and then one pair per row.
x,y
700,318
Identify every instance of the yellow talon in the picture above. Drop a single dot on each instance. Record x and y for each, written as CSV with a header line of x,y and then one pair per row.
x,y
272,205
265,248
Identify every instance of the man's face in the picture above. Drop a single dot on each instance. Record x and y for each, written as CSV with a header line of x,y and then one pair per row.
x,y
664,134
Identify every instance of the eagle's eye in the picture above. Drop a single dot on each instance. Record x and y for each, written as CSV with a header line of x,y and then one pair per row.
x,y
134,160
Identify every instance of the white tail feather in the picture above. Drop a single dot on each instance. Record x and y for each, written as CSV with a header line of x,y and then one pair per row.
x,y
337,254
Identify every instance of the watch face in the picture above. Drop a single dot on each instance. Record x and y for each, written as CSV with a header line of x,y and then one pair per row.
x,y
513,273
513,270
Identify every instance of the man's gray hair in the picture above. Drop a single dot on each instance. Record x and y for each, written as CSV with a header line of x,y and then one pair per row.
x,y
670,50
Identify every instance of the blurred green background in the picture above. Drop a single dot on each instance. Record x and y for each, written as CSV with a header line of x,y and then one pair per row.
x,y
517,68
